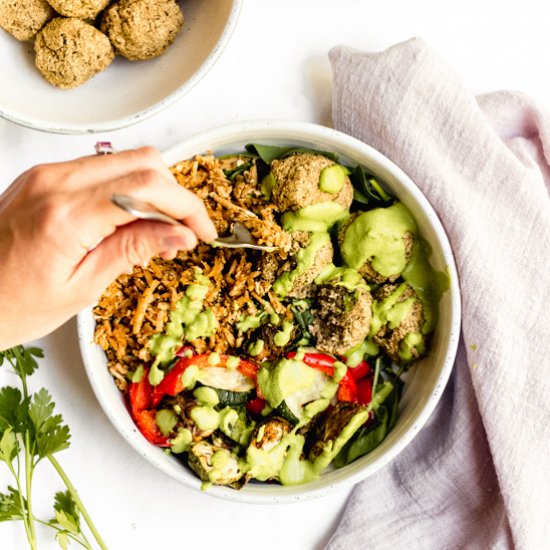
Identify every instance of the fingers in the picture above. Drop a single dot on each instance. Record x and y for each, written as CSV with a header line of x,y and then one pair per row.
x,y
132,244
86,186
142,173
98,169
77,196
169,197
97,217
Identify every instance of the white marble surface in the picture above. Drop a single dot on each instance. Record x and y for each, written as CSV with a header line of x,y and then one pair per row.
x,y
274,67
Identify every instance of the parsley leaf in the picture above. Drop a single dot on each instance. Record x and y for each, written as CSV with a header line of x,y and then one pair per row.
x,y
10,505
66,512
62,538
49,434
22,359
29,432
13,410
9,447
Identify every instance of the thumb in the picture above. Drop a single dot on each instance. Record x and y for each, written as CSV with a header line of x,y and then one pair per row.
x,y
132,244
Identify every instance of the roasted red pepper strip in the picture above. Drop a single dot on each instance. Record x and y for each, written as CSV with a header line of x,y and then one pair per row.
x,y
364,390
145,421
360,371
320,361
248,368
347,389
172,383
140,394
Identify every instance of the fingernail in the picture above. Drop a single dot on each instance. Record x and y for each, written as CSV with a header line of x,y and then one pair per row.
x,y
169,254
212,233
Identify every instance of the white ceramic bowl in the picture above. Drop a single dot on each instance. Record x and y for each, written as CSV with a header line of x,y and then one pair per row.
x,y
428,377
124,93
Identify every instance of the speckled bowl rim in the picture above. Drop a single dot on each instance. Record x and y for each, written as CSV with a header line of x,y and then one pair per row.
x,y
112,402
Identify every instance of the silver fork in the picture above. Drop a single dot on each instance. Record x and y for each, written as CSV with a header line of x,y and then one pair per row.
x,y
240,237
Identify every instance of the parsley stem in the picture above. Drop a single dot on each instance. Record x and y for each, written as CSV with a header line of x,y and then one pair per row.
x,y
30,537
28,478
18,367
85,544
78,502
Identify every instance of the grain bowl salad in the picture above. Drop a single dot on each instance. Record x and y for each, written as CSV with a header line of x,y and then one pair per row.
x,y
252,366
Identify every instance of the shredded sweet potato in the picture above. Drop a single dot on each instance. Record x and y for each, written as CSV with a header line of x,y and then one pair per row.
x,y
137,306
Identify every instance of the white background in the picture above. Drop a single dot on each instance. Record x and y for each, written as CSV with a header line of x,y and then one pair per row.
x,y
275,66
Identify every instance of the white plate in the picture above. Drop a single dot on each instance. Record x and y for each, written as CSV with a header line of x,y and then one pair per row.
x,y
127,91
427,379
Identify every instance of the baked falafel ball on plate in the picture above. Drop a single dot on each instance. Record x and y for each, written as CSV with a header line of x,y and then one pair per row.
x,y
83,9
24,18
69,52
142,29
398,321
303,179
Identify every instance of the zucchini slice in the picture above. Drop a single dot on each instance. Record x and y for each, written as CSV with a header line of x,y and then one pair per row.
x,y
230,398
290,386
221,378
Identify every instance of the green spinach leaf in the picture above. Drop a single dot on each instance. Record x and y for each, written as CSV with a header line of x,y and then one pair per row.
x,y
368,191
269,153
369,437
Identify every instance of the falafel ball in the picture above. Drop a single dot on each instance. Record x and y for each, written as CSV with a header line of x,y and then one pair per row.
x,y
297,182
69,52
83,9
367,270
397,323
142,29
315,251
378,243
372,276
24,18
341,317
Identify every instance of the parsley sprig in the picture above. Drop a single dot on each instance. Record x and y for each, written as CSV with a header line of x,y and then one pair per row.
x,y
30,432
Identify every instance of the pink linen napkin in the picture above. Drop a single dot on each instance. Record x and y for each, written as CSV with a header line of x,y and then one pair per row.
x,y
478,475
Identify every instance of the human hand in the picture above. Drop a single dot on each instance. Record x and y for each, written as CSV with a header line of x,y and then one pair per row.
x,y
62,241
